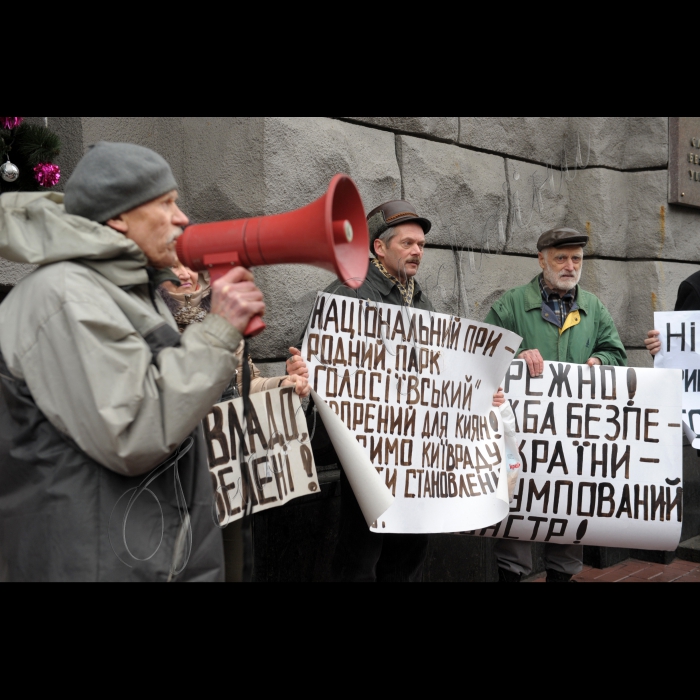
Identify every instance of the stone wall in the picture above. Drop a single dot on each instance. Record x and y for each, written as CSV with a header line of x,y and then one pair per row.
x,y
491,185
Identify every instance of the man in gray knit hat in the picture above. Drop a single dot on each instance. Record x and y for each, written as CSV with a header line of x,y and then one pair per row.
x,y
98,388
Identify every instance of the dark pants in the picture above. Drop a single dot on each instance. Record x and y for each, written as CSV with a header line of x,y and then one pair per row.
x,y
516,557
362,556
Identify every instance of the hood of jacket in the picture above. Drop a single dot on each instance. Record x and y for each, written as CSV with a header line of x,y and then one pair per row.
x,y
35,229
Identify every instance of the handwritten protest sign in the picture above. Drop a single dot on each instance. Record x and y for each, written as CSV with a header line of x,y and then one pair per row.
x,y
272,446
680,350
601,455
373,497
416,390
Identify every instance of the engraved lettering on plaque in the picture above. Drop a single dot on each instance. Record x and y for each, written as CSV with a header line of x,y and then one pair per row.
x,y
684,161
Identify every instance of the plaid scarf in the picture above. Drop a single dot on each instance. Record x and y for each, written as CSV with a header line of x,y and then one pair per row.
x,y
407,292
188,308
187,315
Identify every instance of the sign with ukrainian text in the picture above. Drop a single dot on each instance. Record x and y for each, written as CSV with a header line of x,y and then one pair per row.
x,y
262,460
680,349
602,457
416,390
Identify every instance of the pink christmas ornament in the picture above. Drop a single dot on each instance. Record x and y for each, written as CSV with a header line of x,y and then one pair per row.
x,y
10,122
47,174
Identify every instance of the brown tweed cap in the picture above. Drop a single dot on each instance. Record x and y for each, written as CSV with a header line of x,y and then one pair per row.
x,y
562,238
393,214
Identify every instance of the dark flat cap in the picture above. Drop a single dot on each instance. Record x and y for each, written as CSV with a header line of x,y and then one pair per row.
x,y
562,238
393,214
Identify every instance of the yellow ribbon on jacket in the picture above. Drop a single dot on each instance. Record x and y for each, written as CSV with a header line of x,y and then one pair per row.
x,y
573,319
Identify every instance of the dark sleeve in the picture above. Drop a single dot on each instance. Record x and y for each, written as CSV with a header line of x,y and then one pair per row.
x,y
324,452
689,295
428,304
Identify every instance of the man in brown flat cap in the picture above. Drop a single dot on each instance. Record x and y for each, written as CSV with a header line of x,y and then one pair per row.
x,y
397,239
559,322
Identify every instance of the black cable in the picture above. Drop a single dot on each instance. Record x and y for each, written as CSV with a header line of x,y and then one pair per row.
x,y
247,523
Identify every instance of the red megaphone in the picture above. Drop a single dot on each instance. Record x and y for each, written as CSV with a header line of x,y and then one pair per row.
x,y
331,233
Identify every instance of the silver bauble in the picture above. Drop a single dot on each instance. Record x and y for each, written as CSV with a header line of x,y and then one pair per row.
x,y
9,172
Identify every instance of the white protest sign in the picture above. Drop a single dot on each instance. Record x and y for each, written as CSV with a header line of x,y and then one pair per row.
x,y
602,460
373,497
679,350
415,389
272,446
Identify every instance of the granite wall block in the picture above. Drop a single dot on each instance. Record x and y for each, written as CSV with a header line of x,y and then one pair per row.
x,y
462,192
444,128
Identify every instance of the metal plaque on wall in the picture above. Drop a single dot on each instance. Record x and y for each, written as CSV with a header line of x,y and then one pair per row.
x,y
684,168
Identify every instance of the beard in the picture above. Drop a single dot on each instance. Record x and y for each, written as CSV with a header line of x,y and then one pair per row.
x,y
561,281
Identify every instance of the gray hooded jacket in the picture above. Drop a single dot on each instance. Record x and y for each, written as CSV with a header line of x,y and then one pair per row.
x,y
97,389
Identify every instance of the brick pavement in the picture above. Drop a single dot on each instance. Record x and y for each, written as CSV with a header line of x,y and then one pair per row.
x,y
641,572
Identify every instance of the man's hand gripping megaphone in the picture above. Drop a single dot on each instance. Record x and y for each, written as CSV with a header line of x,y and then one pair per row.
x,y
236,298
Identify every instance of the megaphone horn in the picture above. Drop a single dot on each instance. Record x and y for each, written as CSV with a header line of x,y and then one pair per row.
x,y
331,233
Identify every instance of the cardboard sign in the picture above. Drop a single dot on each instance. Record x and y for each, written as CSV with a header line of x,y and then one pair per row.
x,y
273,447
602,457
415,389
680,350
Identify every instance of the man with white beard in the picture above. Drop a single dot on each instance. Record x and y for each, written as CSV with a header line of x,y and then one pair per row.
x,y
559,322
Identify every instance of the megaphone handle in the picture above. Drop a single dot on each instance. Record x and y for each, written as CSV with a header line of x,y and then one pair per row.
x,y
218,271
256,325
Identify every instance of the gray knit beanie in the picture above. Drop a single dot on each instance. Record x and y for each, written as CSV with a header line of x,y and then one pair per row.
x,y
114,178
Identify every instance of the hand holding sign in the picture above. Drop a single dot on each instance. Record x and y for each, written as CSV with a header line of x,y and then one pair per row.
x,y
296,366
535,363
301,385
298,374
653,343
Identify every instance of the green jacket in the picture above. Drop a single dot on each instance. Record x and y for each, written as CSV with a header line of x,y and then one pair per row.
x,y
588,333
